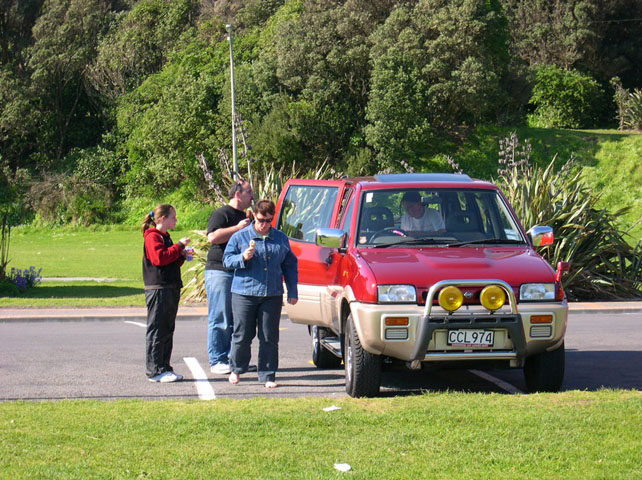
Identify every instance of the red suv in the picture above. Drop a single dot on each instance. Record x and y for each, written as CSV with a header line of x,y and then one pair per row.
x,y
422,268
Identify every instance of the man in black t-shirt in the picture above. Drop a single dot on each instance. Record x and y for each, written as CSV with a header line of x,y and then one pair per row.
x,y
223,222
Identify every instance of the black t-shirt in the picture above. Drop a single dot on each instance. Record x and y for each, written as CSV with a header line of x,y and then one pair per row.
x,y
223,217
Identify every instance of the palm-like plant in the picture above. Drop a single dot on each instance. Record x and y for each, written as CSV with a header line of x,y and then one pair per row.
x,y
633,111
603,264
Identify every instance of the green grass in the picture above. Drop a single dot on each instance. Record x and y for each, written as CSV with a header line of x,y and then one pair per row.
x,y
442,435
80,294
617,173
110,253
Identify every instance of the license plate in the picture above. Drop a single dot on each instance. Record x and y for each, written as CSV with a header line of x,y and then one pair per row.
x,y
471,338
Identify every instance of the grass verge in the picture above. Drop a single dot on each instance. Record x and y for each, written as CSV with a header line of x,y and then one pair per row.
x,y
441,435
106,254
80,294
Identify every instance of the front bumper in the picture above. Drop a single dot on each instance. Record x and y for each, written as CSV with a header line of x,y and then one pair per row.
x,y
425,336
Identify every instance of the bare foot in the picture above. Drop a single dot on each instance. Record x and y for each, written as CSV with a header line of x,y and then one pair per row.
x,y
270,384
234,378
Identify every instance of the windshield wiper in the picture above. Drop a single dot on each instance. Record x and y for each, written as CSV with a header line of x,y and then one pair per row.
x,y
414,241
489,241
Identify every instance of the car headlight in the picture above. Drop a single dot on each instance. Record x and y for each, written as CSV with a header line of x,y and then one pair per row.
x,y
397,293
537,291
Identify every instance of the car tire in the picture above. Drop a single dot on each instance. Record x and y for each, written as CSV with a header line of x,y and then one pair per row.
x,y
544,372
322,357
363,369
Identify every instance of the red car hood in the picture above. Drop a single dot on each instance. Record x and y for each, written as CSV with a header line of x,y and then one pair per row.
x,y
423,267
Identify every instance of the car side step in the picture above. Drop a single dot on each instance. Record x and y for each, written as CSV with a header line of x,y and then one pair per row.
x,y
333,344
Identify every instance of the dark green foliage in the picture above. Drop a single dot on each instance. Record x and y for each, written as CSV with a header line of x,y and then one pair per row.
x,y
437,66
564,99
129,93
552,32
138,44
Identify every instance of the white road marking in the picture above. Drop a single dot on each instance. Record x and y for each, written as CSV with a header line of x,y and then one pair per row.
x,y
497,381
138,324
203,385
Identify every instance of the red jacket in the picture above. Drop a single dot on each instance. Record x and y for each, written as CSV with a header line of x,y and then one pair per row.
x,y
158,253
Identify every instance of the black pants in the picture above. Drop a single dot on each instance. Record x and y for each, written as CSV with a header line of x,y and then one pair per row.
x,y
162,306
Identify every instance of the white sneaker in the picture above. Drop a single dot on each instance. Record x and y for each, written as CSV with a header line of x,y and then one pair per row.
x,y
166,377
220,369
171,377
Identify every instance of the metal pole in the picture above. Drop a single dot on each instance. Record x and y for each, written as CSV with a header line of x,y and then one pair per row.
x,y
235,163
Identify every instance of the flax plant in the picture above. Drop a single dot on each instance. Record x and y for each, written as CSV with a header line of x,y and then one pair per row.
x,y
603,264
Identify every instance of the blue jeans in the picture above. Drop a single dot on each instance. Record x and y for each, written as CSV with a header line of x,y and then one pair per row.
x,y
220,322
252,314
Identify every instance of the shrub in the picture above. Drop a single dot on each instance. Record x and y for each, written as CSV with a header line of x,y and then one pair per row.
x,y
603,264
58,199
564,99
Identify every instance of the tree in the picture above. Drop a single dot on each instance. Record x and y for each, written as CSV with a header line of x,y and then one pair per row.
x,y
65,40
17,17
171,118
138,44
436,66
321,62
551,32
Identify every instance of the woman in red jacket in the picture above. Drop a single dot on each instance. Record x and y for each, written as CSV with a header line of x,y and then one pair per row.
x,y
162,262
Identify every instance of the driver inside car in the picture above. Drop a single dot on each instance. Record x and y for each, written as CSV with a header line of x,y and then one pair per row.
x,y
419,218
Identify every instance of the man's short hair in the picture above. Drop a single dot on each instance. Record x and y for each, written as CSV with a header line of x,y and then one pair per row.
x,y
411,197
237,187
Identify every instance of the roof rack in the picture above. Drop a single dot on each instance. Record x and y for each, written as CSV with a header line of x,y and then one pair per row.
x,y
422,177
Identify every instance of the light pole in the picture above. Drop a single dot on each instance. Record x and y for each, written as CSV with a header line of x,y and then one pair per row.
x,y
235,163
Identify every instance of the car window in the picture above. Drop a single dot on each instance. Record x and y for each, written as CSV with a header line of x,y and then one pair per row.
x,y
442,215
345,221
306,208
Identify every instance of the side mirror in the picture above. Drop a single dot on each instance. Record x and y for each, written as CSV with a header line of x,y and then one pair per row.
x,y
541,235
330,237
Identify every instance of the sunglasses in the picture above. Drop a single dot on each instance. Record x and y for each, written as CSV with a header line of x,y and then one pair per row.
x,y
263,220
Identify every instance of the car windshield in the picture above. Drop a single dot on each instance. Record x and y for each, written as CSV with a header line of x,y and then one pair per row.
x,y
440,217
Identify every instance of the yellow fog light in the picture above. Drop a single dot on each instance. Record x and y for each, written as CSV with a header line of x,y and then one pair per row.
x,y
451,298
493,297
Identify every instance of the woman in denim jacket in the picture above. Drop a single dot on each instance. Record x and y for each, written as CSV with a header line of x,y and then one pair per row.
x,y
261,258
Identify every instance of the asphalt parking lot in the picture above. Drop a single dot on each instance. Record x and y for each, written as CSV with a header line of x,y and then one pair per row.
x,y
102,357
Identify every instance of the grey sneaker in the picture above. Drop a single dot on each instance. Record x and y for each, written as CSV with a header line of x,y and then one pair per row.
x,y
220,369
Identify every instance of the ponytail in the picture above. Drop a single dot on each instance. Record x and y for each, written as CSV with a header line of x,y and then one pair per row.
x,y
160,211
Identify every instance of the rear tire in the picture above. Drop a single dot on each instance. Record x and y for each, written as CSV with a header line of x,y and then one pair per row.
x,y
544,372
322,357
363,369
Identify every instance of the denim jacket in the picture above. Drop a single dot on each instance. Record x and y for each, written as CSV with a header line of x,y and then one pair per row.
x,y
263,274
